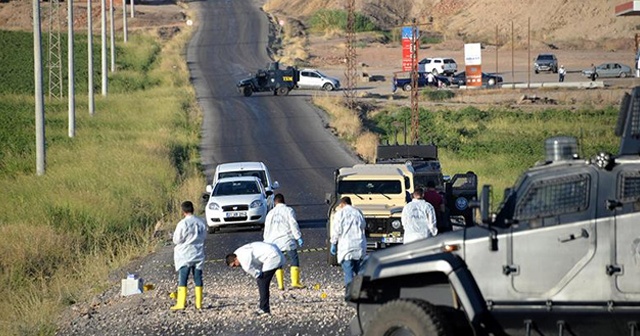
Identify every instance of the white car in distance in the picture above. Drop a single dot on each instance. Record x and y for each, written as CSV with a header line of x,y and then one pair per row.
x,y
245,168
236,201
316,80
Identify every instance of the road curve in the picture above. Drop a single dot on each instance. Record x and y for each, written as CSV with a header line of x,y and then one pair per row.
x,y
286,133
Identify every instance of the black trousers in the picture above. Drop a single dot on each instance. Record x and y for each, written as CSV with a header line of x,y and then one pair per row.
x,y
263,288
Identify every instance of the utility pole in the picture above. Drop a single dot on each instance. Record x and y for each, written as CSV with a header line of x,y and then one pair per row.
x,y
103,44
54,62
351,72
92,105
415,108
529,52
133,10
71,84
39,99
124,21
112,29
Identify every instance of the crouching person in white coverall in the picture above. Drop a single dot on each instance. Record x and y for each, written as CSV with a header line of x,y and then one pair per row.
x,y
281,229
348,240
418,218
260,260
188,254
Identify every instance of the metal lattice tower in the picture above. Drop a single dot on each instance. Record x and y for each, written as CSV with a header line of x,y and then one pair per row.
x,y
351,72
415,108
54,61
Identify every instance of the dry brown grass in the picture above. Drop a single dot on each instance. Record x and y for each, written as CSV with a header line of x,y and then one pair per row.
x,y
345,122
366,145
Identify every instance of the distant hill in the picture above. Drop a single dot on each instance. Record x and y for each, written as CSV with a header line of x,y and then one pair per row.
x,y
563,24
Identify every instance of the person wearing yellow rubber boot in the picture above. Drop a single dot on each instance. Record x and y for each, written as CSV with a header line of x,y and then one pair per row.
x,y
188,254
281,229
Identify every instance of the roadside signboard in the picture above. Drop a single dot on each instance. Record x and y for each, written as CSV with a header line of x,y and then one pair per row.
x,y
407,48
473,64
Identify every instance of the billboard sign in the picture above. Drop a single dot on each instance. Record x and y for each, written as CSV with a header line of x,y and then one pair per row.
x,y
473,64
408,46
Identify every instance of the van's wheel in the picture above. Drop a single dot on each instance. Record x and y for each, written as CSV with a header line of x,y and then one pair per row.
x,y
282,91
407,87
408,317
246,91
327,87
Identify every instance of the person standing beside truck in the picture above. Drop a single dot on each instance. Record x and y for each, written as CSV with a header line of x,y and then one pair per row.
x,y
561,73
418,219
281,229
348,240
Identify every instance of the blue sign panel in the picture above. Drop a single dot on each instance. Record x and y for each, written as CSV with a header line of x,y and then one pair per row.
x,y
407,33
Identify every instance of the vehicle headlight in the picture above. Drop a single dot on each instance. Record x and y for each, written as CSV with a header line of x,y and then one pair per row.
x,y
396,224
535,64
213,206
256,204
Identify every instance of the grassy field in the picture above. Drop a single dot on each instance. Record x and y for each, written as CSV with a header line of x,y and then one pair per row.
x,y
497,144
124,173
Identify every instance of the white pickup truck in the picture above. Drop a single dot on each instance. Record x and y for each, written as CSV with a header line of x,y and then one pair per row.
x,y
316,80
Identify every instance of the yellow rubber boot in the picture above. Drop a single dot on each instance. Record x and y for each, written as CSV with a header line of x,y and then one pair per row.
x,y
182,298
295,277
280,278
198,297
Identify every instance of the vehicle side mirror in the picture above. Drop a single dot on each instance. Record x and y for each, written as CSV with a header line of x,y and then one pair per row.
x,y
275,185
485,204
328,197
209,188
205,197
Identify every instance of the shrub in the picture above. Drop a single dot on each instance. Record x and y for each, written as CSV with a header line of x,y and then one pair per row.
x,y
328,19
437,95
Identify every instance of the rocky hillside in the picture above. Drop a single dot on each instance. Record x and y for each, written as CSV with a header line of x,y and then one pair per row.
x,y
564,24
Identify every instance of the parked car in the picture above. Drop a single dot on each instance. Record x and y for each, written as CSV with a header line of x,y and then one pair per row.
x,y
609,70
247,168
316,80
545,62
460,79
438,66
404,82
236,201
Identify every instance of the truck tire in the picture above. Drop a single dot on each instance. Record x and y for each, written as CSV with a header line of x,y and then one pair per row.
x,y
408,317
282,91
246,91
407,87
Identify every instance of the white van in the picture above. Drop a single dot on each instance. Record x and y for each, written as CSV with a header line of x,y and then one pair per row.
x,y
316,80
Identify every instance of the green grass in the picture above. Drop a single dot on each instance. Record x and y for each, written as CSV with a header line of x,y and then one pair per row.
x,y
127,169
328,19
498,144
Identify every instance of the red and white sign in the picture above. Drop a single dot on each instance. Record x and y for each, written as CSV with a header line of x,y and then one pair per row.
x,y
408,46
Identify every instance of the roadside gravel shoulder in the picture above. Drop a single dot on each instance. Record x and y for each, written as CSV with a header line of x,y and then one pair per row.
x,y
230,298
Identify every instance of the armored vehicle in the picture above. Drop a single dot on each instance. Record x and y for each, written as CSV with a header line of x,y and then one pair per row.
x,y
458,191
380,192
273,79
560,256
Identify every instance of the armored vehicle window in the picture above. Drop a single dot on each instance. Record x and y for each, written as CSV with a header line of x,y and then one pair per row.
x,y
370,187
554,197
629,186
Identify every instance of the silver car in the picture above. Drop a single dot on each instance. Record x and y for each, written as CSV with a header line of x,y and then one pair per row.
x,y
609,70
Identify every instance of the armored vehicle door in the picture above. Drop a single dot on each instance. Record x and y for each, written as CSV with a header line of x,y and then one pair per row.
x,y
624,223
459,191
554,236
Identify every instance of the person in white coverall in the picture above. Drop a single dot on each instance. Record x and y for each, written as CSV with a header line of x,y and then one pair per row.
x,y
418,218
348,240
260,260
281,229
188,254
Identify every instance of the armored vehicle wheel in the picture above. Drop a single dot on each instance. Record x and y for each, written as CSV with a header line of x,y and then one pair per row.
x,y
328,87
408,317
246,91
282,91
407,87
